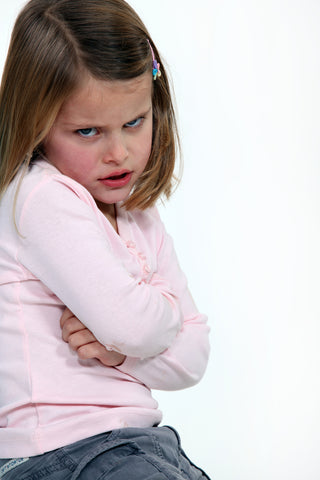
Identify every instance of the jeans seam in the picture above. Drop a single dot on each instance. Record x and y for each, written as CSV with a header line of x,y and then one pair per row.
x,y
92,455
157,447
66,459
148,459
61,463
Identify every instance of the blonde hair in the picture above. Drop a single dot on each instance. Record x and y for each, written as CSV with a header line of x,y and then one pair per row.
x,y
53,42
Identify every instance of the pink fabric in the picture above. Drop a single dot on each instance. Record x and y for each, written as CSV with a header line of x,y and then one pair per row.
x,y
127,289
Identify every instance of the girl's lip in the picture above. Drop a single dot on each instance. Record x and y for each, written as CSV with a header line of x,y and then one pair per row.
x,y
117,179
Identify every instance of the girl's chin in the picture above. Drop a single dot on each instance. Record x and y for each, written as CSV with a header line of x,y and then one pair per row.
x,y
111,199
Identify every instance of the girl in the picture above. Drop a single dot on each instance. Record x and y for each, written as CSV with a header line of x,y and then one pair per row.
x,y
88,139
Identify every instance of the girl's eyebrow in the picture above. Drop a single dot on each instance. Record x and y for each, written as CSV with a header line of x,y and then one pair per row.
x,y
143,114
83,123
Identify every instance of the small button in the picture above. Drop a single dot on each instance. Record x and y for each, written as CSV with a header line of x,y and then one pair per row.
x,y
130,244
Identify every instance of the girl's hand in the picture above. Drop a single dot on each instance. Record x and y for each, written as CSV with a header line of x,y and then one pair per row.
x,y
82,341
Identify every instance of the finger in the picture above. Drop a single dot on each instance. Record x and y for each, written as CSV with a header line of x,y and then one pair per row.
x,y
90,350
81,338
111,359
98,351
67,314
72,325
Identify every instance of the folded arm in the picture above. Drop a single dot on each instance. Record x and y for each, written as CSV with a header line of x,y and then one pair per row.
x,y
82,341
184,362
65,244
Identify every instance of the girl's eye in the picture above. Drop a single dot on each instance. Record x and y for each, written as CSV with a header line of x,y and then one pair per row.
x,y
134,123
87,132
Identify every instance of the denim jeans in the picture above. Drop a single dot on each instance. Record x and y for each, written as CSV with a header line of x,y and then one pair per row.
x,y
126,454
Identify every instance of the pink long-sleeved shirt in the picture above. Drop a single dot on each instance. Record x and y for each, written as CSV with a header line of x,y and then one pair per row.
x,y
127,288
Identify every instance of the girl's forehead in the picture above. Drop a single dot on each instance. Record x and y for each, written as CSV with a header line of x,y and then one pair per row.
x,y
95,88
95,96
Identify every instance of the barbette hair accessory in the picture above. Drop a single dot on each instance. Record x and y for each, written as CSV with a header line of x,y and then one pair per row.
x,y
155,65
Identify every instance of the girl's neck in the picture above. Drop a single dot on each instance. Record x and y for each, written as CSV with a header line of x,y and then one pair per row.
x,y
109,211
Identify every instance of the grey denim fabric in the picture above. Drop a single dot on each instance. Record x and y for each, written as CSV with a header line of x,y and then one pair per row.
x,y
126,454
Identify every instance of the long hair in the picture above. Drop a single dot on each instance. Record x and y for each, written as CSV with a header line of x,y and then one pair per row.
x,y
53,43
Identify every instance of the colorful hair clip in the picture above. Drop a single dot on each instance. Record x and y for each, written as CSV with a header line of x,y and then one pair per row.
x,y
155,65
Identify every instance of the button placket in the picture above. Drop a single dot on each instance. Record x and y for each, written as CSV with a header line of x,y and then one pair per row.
x,y
144,266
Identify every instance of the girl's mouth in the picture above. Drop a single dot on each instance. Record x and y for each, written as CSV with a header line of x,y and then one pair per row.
x,y
117,179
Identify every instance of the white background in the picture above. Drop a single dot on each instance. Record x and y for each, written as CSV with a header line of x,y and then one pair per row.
x,y
246,224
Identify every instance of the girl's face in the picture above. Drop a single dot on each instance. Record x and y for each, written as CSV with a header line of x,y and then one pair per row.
x,y
102,136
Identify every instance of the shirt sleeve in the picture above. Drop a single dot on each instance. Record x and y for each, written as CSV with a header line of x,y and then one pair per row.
x,y
184,362
63,245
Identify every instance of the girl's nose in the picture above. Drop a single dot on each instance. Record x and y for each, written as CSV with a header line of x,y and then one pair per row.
x,y
116,149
